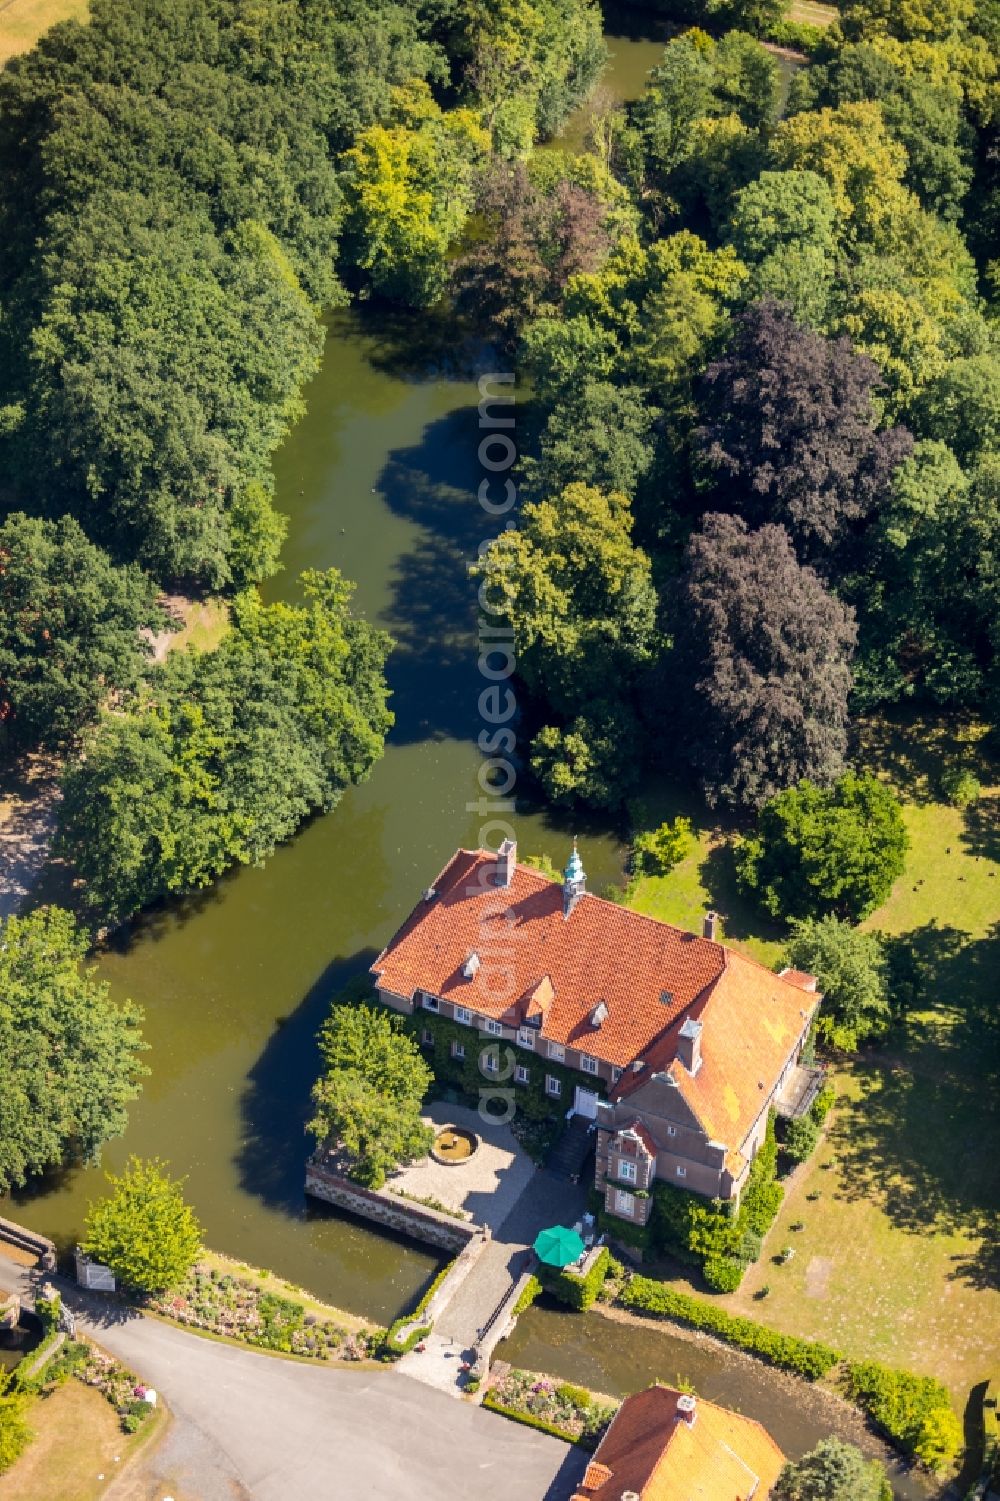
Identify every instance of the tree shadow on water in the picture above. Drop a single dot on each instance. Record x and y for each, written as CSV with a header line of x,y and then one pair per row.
x,y
275,1104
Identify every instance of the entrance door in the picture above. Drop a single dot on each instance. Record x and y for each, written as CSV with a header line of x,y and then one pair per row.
x,y
585,1103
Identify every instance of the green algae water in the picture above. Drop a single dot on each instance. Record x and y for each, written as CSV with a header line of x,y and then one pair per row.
x,y
380,479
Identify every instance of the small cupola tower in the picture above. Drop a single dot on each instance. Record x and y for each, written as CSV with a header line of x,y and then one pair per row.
x,y
574,881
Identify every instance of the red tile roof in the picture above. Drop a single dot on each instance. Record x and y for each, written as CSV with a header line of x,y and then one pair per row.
x,y
652,1450
536,963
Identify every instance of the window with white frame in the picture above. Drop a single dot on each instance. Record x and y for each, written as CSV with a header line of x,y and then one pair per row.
x,y
553,1086
427,1037
557,1052
494,1029
588,1064
624,1202
458,1050
429,1002
521,1075
463,1014
526,1037
490,1061
627,1171
616,1074
671,1130
682,1172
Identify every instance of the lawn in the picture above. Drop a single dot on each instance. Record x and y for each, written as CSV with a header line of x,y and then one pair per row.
x,y
78,1449
22,22
812,12
898,1256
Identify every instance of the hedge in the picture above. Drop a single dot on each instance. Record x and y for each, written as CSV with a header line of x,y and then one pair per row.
x,y
807,1358
529,1293
912,1410
392,1345
577,1292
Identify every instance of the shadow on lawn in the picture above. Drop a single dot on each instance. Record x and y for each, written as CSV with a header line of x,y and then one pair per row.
x,y
923,1137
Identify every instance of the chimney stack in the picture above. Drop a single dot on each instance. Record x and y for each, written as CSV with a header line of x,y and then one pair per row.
x,y
687,1408
506,861
689,1045
710,927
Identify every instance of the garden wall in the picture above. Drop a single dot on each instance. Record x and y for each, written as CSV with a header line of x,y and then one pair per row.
x,y
390,1211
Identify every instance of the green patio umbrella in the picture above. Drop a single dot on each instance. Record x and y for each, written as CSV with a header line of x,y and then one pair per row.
x,y
558,1246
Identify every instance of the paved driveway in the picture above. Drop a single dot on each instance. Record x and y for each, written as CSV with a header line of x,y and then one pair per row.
x,y
252,1427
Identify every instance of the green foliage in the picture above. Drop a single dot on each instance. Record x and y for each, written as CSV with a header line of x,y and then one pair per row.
x,y
227,752
69,630
572,1289
710,1233
912,1410
15,1435
407,191
69,1059
532,1290
800,1138
369,1099
833,1471
762,658
466,1073
395,1342
807,1358
961,788
851,970
657,852
280,1320
144,1231
825,850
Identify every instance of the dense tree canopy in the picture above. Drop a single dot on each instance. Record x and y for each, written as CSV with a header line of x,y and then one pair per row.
x,y
69,630
763,657
225,754
789,431
69,1058
833,1471
826,850
369,1098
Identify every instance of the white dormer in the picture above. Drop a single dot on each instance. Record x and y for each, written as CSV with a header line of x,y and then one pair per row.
x,y
599,1014
471,966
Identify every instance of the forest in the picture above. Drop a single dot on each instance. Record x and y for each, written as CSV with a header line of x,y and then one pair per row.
x,y
761,489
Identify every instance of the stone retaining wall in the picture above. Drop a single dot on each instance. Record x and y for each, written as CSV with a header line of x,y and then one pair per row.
x,y
389,1210
28,1240
503,1324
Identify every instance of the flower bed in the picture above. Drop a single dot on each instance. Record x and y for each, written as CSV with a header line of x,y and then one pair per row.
x,y
568,1412
120,1386
239,1308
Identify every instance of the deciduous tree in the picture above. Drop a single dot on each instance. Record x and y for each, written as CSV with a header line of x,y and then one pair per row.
x,y
833,1471
69,1059
789,429
763,664
851,969
69,629
826,850
144,1231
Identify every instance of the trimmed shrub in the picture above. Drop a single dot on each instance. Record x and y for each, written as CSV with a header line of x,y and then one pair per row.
x,y
575,1291
801,1136
723,1273
807,1358
531,1290
961,788
912,1410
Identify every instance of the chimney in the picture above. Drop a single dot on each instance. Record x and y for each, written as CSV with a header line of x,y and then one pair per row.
x,y
710,927
506,861
689,1045
574,882
687,1408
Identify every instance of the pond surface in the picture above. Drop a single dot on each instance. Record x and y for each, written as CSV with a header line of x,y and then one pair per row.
x,y
380,479
618,1358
